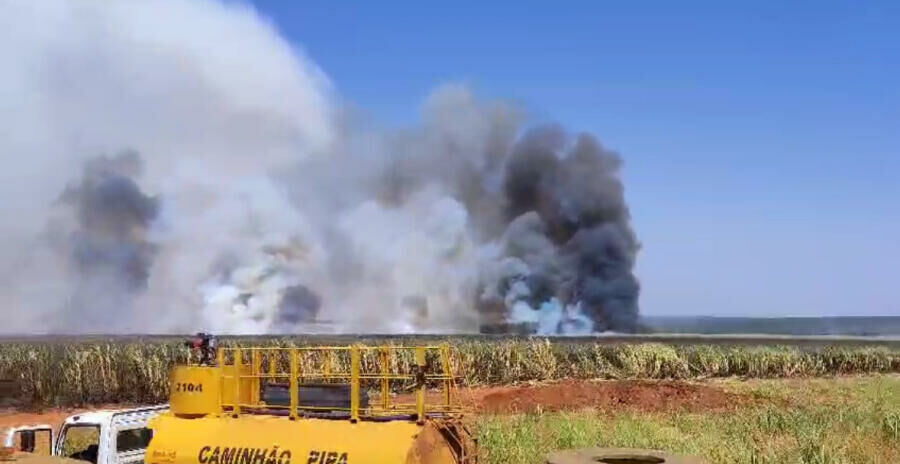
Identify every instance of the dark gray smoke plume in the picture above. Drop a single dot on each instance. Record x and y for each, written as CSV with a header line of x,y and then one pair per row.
x,y
569,251
109,252
298,304
576,192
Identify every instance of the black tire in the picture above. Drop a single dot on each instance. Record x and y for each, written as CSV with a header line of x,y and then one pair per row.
x,y
619,456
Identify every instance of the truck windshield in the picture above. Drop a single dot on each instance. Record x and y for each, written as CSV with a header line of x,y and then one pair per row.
x,y
81,442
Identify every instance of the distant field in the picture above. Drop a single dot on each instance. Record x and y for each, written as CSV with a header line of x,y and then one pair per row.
x,y
134,370
808,326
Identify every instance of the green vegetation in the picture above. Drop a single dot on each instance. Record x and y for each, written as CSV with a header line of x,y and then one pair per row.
x,y
94,372
814,421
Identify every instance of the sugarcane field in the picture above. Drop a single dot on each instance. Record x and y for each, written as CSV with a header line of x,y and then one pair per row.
x,y
526,398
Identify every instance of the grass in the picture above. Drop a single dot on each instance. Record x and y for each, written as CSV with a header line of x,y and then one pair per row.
x,y
94,372
842,420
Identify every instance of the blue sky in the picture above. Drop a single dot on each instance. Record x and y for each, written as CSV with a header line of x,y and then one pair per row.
x,y
761,139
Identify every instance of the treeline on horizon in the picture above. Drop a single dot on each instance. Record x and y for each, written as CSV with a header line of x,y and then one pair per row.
x,y
136,372
863,326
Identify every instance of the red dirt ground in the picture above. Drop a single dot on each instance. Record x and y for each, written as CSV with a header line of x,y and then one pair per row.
x,y
603,396
11,417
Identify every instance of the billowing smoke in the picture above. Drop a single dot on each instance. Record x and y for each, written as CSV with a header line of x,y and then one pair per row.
x,y
249,200
109,255
568,253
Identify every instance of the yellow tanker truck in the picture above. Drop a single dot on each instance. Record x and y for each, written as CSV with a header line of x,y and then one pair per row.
x,y
312,405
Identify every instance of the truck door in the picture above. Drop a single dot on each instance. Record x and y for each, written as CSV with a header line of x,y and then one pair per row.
x,y
130,435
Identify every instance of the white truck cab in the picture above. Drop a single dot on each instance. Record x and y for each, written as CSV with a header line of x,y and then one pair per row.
x,y
98,437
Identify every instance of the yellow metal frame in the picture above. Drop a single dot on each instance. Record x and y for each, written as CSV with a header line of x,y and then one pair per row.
x,y
266,365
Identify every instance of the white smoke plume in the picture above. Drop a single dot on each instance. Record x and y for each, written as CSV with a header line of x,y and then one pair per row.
x,y
174,166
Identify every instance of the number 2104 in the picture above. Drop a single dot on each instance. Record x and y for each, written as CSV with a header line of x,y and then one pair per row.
x,y
188,387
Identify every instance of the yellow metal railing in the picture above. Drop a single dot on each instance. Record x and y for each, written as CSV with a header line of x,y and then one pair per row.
x,y
247,372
